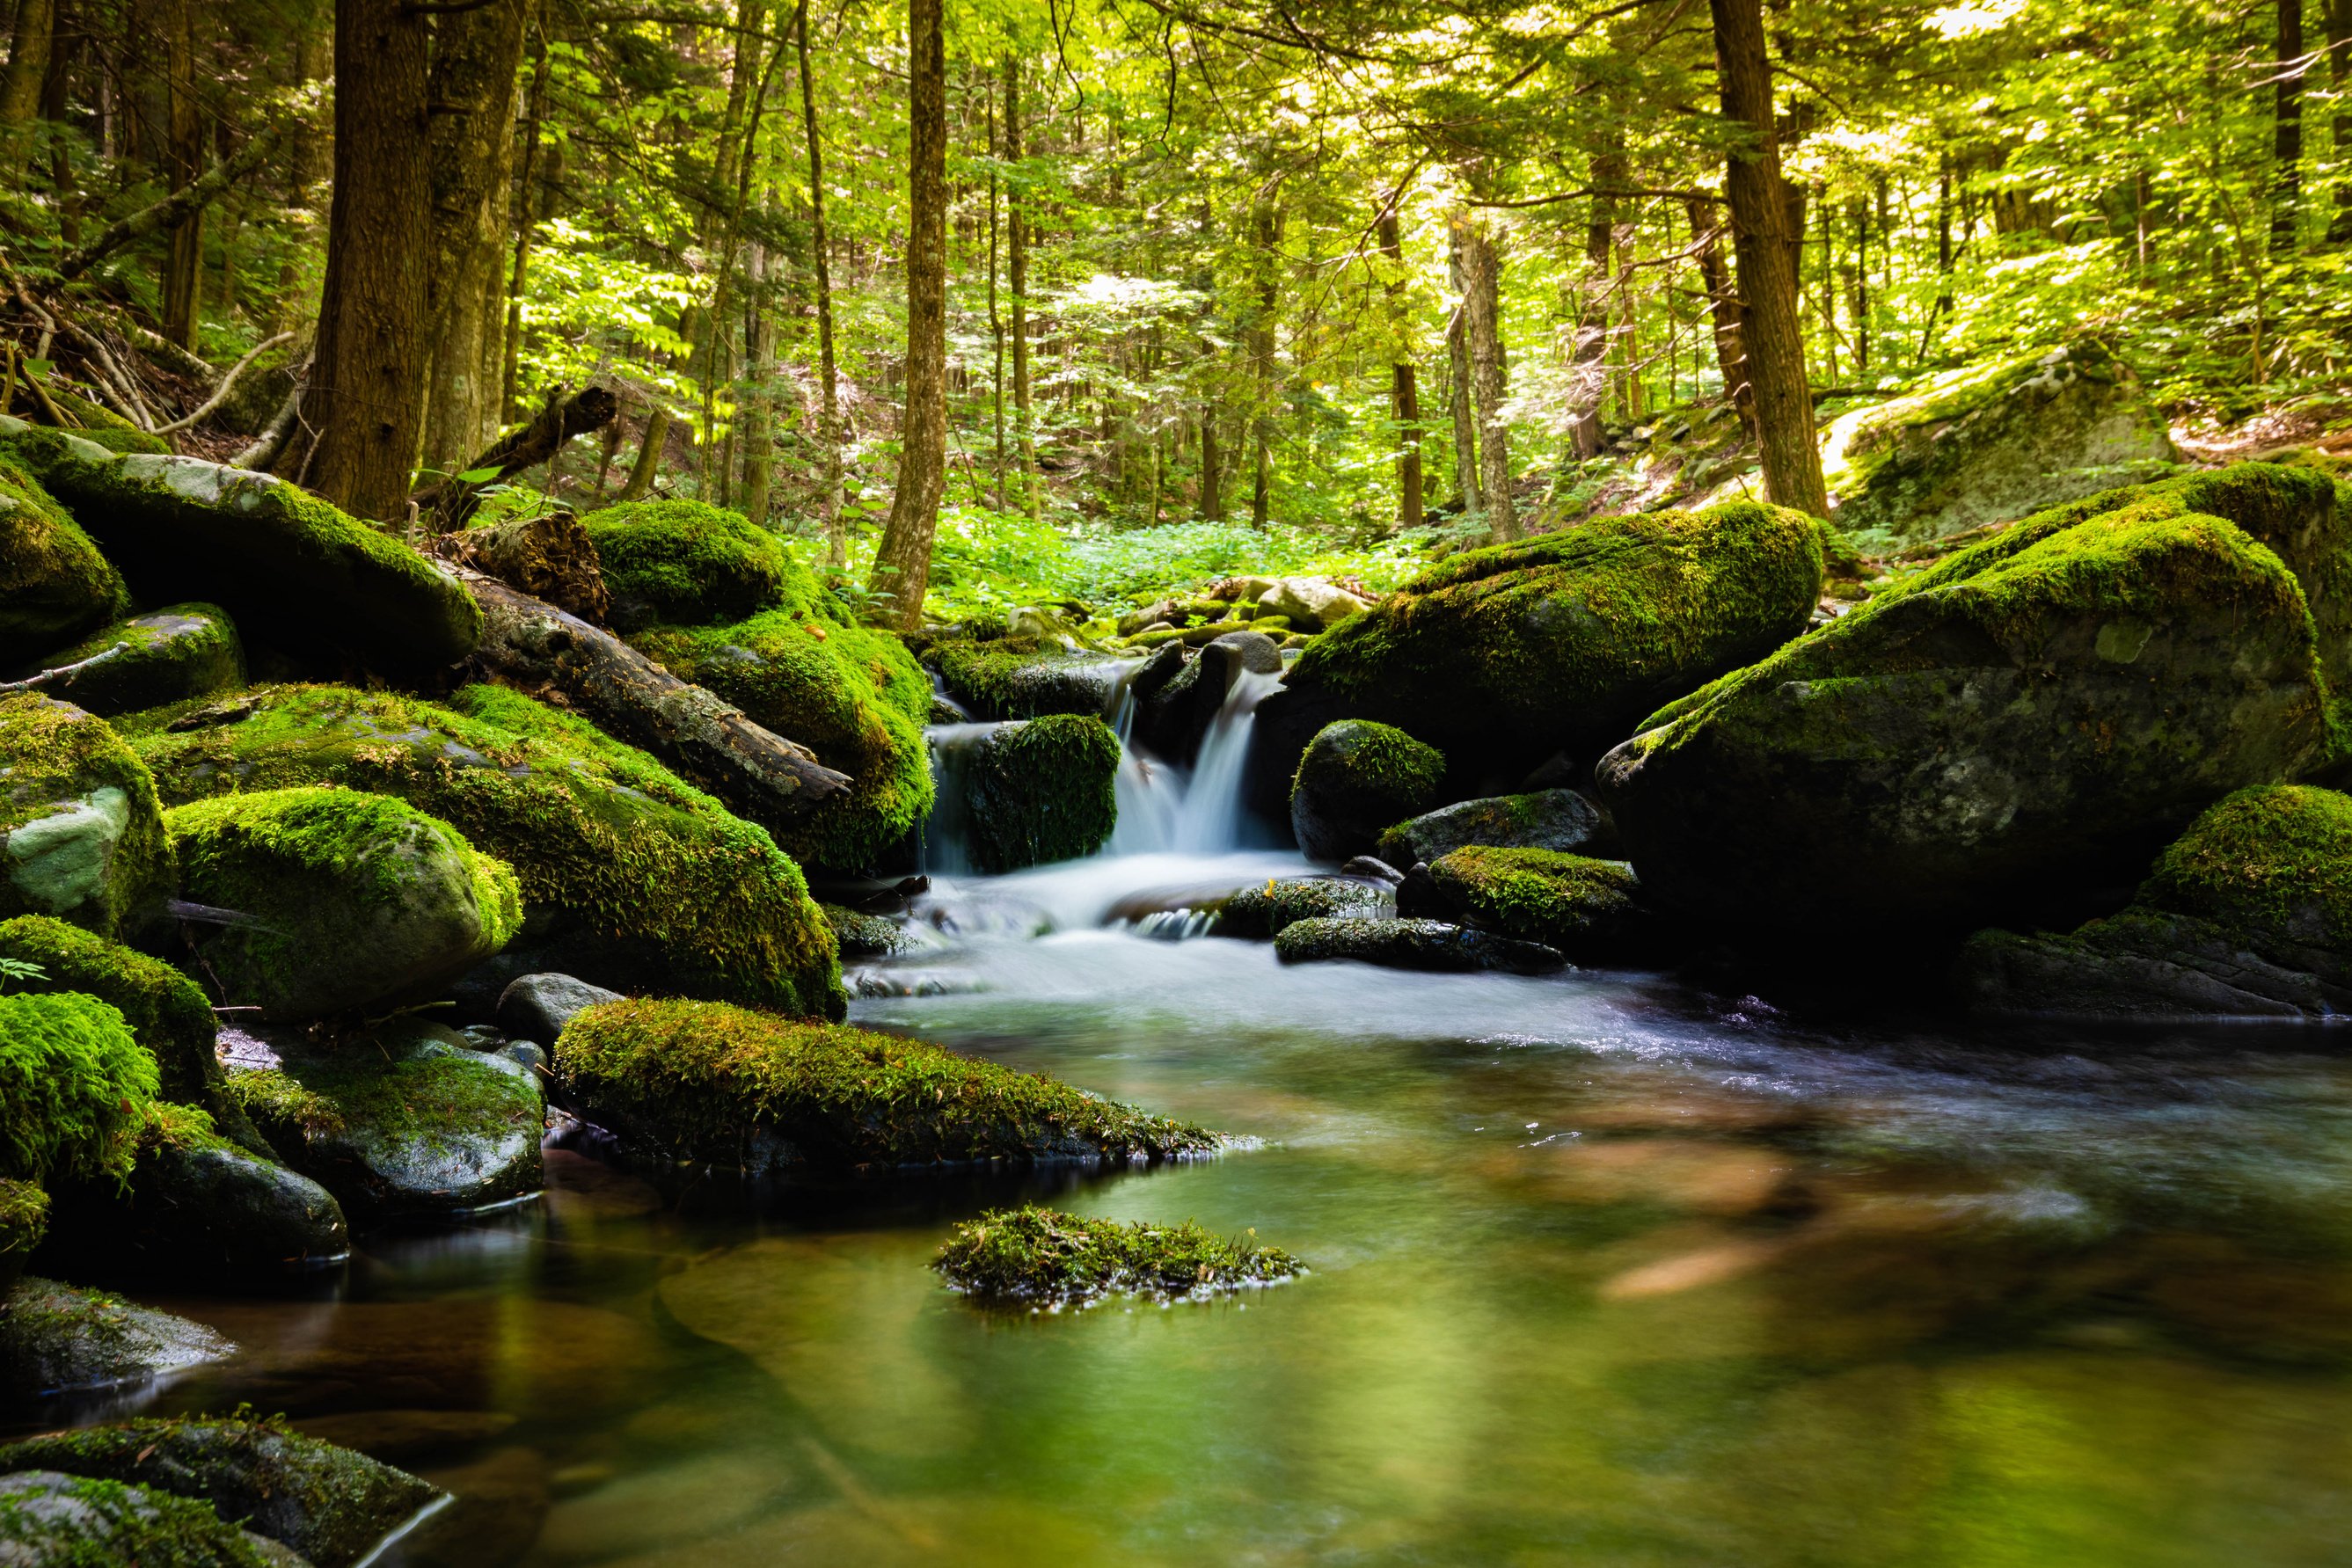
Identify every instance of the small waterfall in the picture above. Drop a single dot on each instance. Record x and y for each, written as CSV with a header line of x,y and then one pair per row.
x,y
947,832
1211,820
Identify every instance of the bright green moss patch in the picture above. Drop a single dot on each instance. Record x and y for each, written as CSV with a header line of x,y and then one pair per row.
x,y
1572,903
54,583
2271,865
78,1521
281,1106
162,656
688,563
167,1014
74,1085
1263,913
703,1081
1020,677
1356,779
81,834
1041,790
1042,1256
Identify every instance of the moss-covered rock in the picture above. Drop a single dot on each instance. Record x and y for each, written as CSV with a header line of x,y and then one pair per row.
x,y
689,563
1040,790
292,569
327,1503
73,1087
688,897
54,583
1589,909
167,1013
81,831
1992,442
49,1519
1022,677
1041,1257
1558,820
163,656
865,936
56,1337
350,900
1262,914
1354,779
404,1119
697,1080
2025,725
24,1221
1414,944
1504,655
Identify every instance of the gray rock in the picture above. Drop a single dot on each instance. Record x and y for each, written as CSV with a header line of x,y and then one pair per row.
x,y
1371,868
205,1201
537,1007
524,1054
81,833
2140,965
1262,913
1356,780
165,656
1178,701
55,1337
1411,944
1558,820
49,1519
1257,651
864,936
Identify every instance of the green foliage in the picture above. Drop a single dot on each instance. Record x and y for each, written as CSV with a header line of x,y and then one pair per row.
x,y
73,1086
24,1221
1042,1256
167,1013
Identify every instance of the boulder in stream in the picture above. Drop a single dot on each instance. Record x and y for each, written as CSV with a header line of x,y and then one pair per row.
x,y
1563,820
74,1087
1022,677
55,1337
81,830
1041,790
1355,781
537,1007
687,563
1411,944
51,1519
1589,909
1034,1257
1264,913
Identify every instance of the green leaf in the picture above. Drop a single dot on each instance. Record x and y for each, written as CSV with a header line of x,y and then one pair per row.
x,y
480,475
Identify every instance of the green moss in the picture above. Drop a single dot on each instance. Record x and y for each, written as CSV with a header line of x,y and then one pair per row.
x,y
24,1221
852,695
1042,1256
54,583
703,1081
74,1085
1020,677
1354,779
688,563
281,1106
167,1014
81,836
426,1099
1263,913
105,427
1041,790
1572,903
162,656
590,826
2271,865
862,935
93,1523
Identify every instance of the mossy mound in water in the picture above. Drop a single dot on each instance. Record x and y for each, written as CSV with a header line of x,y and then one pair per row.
x,y
689,563
1356,779
49,1519
290,568
54,583
167,1013
73,1088
162,656
81,831
699,1081
327,1503
197,1200
1587,908
1041,790
1034,1256
351,900
1414,944
593,829
2274,865
2024,724
1264,913
1504,655
1020,677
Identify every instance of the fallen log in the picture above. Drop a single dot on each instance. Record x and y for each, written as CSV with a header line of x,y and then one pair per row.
x,y
553,654
446,503
548,556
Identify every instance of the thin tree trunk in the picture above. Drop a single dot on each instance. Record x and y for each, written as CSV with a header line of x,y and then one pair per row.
x,y
2339,76
836,532
1482,330
183,159
649,454
1761,210
1404,395
1213,500
2286,130
527,212
995,317
1590,375
1464,411
759,456
902,566
1017,270
1723,310
20,88
1266,222
1630,401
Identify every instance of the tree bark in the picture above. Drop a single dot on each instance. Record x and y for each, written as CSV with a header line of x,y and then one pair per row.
x,y
1482,330
1404,395
995,316
366,396
183,159
759,444
1723,310
836,532
476,56
902,566
1457,378
528,210
2339,78
1018,278
1772,331
1212,498
549,557
1266,224
640,481
2286,130
449,503
1593,334
20,88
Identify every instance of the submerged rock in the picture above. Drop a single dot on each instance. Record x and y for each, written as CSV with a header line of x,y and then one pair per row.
x,y
54,583
54,1337
49,1519
865,936
329,1504
1589,909
1040,791
346,901
1558,820
1354,779
1264,913
81,830
537,1007
1408,944
163,656
699,1080
1031,1255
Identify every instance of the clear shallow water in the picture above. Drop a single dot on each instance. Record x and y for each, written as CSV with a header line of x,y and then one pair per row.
x,y
1605,1271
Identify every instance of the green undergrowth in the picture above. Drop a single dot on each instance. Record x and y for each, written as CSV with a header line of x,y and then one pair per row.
x,y
1041,1257
74,1085
699,1081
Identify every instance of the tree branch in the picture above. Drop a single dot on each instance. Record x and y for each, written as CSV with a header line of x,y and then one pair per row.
x,y
169,212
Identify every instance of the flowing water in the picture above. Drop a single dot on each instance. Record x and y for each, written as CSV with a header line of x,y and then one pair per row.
x,y
1606,1270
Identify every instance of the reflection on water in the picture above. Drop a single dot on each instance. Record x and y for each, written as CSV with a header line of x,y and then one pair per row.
x,y
1605,1272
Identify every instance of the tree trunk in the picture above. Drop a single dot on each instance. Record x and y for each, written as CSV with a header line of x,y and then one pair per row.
x,y
2339,76
902,566
1018,278
476,56
184,161
366,396
1267,225
995,316
449,504
1457,378
1772,331
1589,376
2286,130
1482,330
759,445
20,88
1213,500
527,206
549,557
1723,309
1405,396
649,454
836,532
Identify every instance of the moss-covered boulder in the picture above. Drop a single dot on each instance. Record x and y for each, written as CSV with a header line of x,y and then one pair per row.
x,y
862,935
74,1086
1022,677
167,1013
81,831
56,1337
332,1505
697,1080
676,893
1561,821
50,1520
54,583
1354,779
1040,790
1589,909
1041,1257
2021,725
1262,914
1995,441
292,569
688,563
404,1119
1415,944
144,661
347,900
1504,655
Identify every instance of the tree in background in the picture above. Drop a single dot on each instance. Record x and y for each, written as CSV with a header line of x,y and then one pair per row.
x,y
902,562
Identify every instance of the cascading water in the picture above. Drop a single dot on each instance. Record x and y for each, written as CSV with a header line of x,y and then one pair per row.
x,y
946,833
1161,809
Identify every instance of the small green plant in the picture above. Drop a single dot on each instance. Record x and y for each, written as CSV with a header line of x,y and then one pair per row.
x,y
22,971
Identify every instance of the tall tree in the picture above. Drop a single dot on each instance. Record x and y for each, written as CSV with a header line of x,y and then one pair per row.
x,y
20,87
1017,277
837,538
184,160
2339,79
1404,394
1265,223
1481,331
1458,401
902,565
2286,128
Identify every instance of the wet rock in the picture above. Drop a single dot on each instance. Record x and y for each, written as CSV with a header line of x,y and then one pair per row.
x,y
1411,944
1558,820
1311,603
49,1519
1041,791
1264,913
54,583
1356,780
1417,896
537,1007
81,830
346,901
163,656
1589,909
1370,868
1252,651
1023,677
55,1337
865,936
